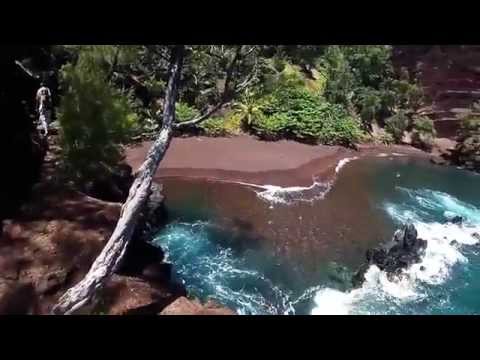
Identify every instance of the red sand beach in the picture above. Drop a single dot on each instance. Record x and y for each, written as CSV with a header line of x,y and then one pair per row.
x,y
246,159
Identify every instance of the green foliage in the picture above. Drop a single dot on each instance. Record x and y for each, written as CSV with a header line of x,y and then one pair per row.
x,y
297,113
341,79
105,56
467,150
470,125
396,125
370,103
318,84
278,64
423,133
385,138
282,74
362,78
231,124
271,127
94,117
291,77
318,93
248,109
185,112
424,124
339,128
408,95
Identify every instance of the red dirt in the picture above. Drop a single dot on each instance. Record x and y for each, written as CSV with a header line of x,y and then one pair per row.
x,y
246,159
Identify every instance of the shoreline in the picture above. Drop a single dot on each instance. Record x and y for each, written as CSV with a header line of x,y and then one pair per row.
x,y
245,159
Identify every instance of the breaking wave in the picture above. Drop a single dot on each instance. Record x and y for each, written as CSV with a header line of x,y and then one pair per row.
x,y
427,209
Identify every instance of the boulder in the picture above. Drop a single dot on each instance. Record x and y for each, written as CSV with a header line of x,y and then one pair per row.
x,y
404,250
124,295
359,277
410,236
377,256
184,306
458,220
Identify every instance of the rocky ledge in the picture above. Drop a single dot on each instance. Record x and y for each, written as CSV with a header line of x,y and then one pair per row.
x,y
405,249
184,306
54,240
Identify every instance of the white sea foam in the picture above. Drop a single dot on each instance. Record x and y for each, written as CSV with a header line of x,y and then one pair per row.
x,y
287,195
216,271
440,256
391,154
344,162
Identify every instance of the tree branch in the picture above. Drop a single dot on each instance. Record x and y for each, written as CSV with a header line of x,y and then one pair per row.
x,y
27,71
226,94
111,256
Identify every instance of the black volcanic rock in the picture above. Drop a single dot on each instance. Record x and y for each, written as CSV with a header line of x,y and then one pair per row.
x,y
404,250
458,220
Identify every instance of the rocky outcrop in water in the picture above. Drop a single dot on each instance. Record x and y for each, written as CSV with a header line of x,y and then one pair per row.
x,y
404,250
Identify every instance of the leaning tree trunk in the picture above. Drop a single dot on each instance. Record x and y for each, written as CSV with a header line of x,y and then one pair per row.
x,y
110,257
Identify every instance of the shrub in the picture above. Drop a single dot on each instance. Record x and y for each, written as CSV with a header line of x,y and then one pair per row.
x,y
94,118
291,77
318,85
185,112
469,126
230,124
339,128
408,95
385,138
362,78
248,109
423,133
467,150
297,113
278,64
271,127
396,125
370,103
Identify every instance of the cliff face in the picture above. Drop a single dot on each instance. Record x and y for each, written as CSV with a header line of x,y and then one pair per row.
x,y
450,77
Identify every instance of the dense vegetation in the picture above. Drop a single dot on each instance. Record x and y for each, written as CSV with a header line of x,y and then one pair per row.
x,y
94,116
467,151
315,94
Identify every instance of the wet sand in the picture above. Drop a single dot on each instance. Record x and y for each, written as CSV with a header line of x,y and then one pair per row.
x,y
246,159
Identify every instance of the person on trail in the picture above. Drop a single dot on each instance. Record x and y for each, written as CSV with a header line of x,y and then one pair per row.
x,y
43,105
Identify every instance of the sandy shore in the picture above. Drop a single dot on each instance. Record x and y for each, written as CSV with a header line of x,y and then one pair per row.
x,y
246,159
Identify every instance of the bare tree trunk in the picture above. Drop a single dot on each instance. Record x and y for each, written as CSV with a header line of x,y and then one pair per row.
x,y
110,257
